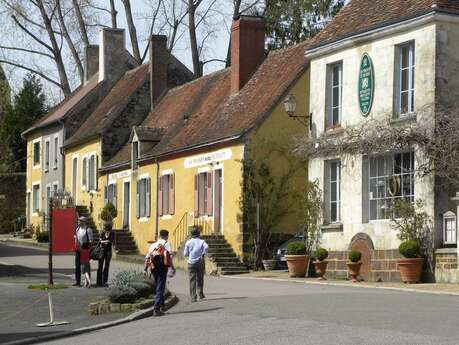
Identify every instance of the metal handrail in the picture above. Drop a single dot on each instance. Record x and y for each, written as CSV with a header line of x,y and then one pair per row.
x,y
181,232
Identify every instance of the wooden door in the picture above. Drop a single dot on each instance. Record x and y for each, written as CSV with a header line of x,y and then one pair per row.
x,y
218,200
126,204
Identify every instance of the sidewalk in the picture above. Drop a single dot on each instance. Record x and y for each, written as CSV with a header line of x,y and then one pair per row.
x,y
431,288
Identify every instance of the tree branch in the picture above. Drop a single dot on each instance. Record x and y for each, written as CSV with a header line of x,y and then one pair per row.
x,y
44,76
32,34
28,51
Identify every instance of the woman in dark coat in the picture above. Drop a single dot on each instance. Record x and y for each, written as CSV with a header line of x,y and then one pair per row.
x,y
106,240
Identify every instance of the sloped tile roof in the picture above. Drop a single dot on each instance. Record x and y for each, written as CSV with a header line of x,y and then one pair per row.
x,y
359,16
203,111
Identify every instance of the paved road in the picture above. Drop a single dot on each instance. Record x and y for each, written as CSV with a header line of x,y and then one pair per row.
x,y
247,311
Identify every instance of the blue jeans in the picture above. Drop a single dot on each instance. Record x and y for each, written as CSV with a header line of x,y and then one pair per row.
x,y
160,277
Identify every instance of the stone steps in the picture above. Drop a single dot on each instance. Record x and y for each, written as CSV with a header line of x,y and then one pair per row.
x,y
125,243
222,254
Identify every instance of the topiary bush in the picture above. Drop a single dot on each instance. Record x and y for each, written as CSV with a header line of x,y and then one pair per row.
x,y
410,249
354,256
109,212
296,248
43,236
321,254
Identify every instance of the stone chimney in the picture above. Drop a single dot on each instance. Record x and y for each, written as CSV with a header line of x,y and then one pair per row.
x,y
111,54
91,61
159,60
247,49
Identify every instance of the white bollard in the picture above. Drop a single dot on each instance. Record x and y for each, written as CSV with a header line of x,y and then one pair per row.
x,y
51,315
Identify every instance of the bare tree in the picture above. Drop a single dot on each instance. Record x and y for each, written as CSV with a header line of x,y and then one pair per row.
x,y
132,30
113,14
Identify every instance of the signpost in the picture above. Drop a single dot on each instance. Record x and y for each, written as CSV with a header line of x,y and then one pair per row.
x,y
366,85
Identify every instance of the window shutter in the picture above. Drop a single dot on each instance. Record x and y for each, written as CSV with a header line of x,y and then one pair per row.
x,y
96,175
105,195
115,194
210,204
88,178
138,200
196,196
160,196
148,198
171,193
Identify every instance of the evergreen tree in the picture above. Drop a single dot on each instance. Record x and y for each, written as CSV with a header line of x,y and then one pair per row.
x,y
28,106
292,21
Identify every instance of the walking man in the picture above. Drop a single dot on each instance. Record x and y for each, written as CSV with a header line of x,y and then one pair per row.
x,y
196,250
83,236
159,260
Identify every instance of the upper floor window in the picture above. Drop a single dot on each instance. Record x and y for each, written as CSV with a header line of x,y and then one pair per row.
x,y
391,178
404,83
56,152
111,194
332,191
92,172
203,194
47,154
166,194
36,153
334,94
84,173
143,197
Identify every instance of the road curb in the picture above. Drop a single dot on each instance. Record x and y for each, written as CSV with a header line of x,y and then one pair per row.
x,y
17,243
356,285
138,315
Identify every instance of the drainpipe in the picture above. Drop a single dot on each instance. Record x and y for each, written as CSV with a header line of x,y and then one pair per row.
x,y
157,199
62,152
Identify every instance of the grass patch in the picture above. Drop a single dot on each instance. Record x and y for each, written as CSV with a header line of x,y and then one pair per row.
x,y
47,287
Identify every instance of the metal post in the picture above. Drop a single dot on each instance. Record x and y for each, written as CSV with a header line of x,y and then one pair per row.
x,y
50,247
51,315
51,312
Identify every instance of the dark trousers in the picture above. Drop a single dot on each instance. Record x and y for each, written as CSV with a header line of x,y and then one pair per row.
x,y
77,267
160,277
103,269
196,276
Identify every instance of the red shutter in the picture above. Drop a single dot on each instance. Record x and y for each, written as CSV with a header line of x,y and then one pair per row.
x,y
196,196
171,193
160,196
209,204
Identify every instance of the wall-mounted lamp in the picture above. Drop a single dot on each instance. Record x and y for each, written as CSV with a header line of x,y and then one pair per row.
x,y
290,107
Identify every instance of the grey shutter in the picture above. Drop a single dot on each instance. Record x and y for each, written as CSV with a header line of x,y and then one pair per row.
x,y
148,197
96,174
115,194
138,200
105,195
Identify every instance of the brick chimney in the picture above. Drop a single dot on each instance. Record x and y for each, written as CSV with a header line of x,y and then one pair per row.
x,y
91,61
159,60
111,54
247,49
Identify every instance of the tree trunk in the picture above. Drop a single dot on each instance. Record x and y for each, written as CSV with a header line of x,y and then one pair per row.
x,y
132,30
81,23
193,40
113,14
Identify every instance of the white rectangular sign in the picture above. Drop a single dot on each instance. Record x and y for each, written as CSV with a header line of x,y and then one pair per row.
x,y
121,174
213,157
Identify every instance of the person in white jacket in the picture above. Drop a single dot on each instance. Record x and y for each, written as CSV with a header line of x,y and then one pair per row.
x,y
195,250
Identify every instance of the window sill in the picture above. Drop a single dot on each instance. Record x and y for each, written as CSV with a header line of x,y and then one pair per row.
x,y
334,227
397,119
166,217
143,219
36,166
448,250
334,130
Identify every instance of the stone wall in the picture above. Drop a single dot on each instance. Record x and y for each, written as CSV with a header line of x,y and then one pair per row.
x,y
446,268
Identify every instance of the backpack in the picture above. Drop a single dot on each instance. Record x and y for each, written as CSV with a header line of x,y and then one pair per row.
x,y
160,257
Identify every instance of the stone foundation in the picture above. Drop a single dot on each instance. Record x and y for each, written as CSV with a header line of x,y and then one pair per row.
x,y
382,266
446,268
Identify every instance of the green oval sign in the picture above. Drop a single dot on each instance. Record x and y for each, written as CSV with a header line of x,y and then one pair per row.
x,y
366,84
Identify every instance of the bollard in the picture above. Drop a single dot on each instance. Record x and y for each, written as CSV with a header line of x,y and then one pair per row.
x,y
51,316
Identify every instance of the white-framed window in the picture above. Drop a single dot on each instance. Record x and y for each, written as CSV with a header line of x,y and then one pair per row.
x,y
166,194
405,76
334,180
334,93
203,194
48,197
36,152
449,228
92,172
84,173
36,198
47,153
55,188
56,152
143,197
111,194
135,154
391,178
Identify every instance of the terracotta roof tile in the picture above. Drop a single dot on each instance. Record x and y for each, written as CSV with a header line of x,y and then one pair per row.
x,y
359,16
203,111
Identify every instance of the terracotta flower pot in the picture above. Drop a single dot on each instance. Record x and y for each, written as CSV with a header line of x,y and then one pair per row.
x,y
410,269
269,265
321,268
297,265
353,270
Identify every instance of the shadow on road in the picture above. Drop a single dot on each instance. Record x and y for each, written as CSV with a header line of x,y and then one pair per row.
x,y
7,337
194,311
21,271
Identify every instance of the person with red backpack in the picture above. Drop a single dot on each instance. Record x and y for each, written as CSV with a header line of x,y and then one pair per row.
x,y
159,260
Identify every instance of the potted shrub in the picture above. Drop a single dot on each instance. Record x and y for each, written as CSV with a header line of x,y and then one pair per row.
x,y
412,224
269,264
108,213
353,266
321,264
297,260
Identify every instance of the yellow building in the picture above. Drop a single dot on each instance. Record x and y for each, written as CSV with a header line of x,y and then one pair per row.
x,y
183,164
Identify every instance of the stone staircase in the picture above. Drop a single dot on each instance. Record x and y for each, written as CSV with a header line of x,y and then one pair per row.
x,y
125,243
222,255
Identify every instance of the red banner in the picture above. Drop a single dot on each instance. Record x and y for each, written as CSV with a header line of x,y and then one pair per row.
x,y
64,225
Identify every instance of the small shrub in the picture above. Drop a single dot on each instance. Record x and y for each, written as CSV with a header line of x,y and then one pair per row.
x,y
354,256
124,278
109,212
410,249
125,294
142,288
43,236
296,248
321,254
